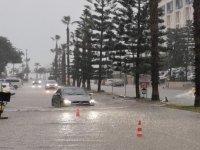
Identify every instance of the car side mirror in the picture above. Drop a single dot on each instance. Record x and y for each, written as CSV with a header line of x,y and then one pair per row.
x,y
57,94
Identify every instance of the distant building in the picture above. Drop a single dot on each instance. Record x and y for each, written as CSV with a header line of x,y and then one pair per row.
x,y
176,12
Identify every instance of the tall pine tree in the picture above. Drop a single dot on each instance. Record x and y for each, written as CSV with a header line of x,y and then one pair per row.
x,y
154,30
102,19
196,6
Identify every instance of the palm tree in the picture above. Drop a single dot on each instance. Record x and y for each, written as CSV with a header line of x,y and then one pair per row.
x,y
56,51
63,65
36,69
154,48
196,6
27,70
66,20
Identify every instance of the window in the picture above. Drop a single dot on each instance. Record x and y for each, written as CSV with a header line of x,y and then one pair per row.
x,y
187,13
168,21
179,4
188,1
177,26
178,17
170,7
163,10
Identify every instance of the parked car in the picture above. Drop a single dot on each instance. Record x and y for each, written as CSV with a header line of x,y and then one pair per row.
x,y
67,96
190,77
51,84
114,82
109,82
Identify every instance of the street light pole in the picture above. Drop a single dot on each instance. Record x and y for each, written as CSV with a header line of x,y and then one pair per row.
x,y
66,20
112,57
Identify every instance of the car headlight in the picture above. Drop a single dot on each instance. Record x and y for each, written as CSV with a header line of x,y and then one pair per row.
x,y
67,102
47,84
39,81
56,84
92,101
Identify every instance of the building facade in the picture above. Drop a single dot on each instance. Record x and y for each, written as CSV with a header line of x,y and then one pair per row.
x,y
176,12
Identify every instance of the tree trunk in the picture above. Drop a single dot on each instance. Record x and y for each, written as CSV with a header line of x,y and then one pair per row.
x,y
13,68
101,49
83,83
84,65
196,6
68,61
74,81
154,49
56,66
79,82
88,84
63,68
137,76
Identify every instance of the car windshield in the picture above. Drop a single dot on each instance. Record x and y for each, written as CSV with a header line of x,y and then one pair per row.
x,y
73,91
51,82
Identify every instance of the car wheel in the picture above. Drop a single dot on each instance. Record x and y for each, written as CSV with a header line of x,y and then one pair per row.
x,y
57,103
15,86
52,102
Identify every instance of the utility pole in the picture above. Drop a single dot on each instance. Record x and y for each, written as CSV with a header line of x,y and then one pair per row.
x,y
68,61
27,68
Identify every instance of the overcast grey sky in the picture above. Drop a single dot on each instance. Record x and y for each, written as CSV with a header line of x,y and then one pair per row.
x,y
30,24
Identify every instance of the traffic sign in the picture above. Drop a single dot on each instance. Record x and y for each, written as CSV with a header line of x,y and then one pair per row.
x,y
143,85
144,91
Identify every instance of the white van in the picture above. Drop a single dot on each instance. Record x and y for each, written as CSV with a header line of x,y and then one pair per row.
x,y
15,82
6,87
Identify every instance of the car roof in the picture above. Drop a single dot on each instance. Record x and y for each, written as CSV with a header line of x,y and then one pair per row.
x,y
51,80
71,87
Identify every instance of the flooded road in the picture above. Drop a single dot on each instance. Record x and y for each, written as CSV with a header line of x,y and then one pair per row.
x,y
112,124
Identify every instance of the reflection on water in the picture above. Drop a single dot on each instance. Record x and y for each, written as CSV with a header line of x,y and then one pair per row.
x,y
79,129
92,115
69,117
49,91
66,117
36,86
64,120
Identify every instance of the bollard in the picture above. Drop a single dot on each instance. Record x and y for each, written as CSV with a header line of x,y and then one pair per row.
x,y
139,129
77,112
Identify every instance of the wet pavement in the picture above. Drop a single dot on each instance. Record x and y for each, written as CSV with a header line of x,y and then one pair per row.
x,y
109,125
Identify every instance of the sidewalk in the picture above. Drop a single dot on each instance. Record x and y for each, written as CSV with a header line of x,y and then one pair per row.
x,y
174,95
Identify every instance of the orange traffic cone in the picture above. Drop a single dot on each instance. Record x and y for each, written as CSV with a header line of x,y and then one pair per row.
x,y
77,112
139,129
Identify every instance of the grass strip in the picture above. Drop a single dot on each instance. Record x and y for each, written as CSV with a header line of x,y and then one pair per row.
x,y
183,107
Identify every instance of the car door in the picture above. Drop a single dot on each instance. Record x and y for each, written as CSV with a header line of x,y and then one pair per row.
x,y
56,100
